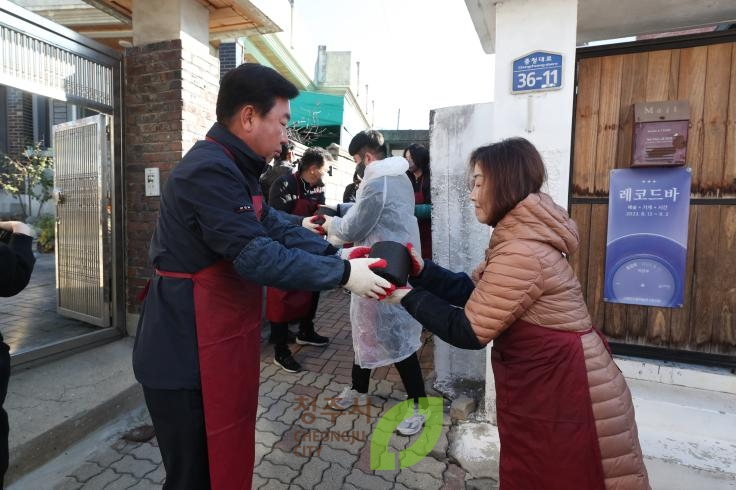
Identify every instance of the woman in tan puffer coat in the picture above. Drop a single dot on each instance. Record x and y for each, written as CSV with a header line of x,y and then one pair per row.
x,y
565,415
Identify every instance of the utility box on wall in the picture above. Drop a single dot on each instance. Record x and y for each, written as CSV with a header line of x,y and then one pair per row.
x,y
660,133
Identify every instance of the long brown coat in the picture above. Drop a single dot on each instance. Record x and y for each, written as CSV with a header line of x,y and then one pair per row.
x,y
526,276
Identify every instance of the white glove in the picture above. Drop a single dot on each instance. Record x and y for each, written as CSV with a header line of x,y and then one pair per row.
x,y
337,242
311,226
326,224
395,297
364,282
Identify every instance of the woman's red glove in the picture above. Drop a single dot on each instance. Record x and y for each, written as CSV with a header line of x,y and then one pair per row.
x,y
417,263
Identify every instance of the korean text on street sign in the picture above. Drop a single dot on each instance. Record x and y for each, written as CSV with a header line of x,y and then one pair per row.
x,y
537,71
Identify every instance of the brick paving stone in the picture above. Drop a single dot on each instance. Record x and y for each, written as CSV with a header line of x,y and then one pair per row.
x,y
308,378
311,473
136,467
100,480
87,471
305,391
454,478
322,381
439,451
364,481
430,466
107,457
273,426
338,456
277,485
266,387
282,459
122,483
147,452
418,481
157,476
363,464
278,391
268,470
68,483
261,451
333,477
277,410
145,485
258,482
290,439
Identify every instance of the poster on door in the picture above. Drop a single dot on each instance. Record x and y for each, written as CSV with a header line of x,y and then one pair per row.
x,y
646,246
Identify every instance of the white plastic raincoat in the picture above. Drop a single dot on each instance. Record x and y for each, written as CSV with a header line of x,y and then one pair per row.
x,y
383,334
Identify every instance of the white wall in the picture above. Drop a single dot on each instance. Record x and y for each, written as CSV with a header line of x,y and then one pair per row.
x,y
523,26
458,240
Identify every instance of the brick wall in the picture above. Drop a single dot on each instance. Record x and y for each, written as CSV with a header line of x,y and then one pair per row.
x,y
170,96
19,120
226,53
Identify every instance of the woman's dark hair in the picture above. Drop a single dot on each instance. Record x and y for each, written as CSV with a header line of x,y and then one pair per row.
x,y
314,157
419,155
251,83
512,169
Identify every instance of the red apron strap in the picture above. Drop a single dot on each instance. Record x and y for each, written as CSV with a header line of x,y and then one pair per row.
x,y
224,148
177,275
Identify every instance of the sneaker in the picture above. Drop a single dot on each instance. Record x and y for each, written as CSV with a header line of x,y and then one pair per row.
x,y
286,362
412,425
311,338
349,398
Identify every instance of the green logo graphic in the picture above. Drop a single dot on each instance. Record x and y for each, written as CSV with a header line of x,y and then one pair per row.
x,y
381,458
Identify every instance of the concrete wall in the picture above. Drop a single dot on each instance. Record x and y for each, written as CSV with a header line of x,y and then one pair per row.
x,y
522,27
459,241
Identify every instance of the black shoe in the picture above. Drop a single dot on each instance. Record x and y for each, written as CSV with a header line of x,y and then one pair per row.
x,y
286,362
311,338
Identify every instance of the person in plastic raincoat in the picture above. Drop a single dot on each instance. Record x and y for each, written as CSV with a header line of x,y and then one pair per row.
x,y
383,334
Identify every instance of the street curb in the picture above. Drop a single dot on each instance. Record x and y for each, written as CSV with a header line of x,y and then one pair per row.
x,y
41,449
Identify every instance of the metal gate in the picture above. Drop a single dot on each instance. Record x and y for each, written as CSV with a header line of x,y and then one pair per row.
x,y
83,221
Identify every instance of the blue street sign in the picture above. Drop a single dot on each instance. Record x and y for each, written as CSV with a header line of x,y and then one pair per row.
x,y
537,71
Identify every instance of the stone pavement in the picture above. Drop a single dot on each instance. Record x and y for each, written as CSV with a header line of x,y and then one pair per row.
x,y
299,443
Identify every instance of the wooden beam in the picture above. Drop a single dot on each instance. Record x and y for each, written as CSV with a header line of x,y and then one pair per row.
x,y
113,8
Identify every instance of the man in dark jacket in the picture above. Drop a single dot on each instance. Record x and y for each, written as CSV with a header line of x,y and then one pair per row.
x,y
16,265
197,350
299,194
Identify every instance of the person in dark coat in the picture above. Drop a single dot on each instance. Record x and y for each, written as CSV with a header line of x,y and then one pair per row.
x,y
16,266
351,190
215,245
278,168
299,194
418,157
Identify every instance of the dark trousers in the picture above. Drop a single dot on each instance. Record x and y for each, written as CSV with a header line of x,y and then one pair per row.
x,y
178,418
4,378
409,370
280,331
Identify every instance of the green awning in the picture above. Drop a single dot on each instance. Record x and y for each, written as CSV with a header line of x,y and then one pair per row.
x,y
316,109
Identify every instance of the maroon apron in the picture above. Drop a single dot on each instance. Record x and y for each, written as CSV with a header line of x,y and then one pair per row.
x,y
284,306
425,225
227,311
544,411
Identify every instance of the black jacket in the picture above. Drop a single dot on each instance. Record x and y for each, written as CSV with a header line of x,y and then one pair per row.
x,y
16,264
